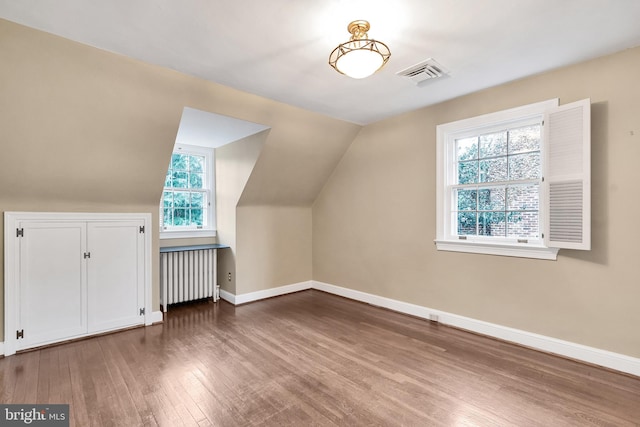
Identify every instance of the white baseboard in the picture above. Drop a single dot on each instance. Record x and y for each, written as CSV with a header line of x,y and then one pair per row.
x,y
608,359
156,317
268,293
227,296
1,348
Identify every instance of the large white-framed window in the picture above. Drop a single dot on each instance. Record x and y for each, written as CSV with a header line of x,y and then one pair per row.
x,y
507,182
187,207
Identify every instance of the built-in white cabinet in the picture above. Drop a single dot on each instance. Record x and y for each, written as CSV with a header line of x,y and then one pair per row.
x,y
72,275
50,284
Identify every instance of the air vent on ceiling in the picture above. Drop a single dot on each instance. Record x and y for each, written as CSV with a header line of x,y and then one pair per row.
x,y
425,70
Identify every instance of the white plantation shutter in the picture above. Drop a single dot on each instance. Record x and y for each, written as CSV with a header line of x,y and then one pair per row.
x,y
567,176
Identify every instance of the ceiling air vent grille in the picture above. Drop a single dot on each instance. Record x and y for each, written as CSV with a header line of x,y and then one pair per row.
x,y
425,70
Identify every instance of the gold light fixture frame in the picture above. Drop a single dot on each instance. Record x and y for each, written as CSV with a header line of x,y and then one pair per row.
x,y
359,41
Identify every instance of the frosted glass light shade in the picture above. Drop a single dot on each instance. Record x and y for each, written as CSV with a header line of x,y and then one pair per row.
x,y
359,64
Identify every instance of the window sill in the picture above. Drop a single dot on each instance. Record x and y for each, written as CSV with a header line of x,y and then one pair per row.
x,y
186,234
520,251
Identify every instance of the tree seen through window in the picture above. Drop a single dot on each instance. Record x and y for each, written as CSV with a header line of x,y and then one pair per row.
x,y
184,200
497,191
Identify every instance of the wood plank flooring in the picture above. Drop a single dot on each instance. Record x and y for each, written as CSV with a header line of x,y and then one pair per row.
x,y
313,359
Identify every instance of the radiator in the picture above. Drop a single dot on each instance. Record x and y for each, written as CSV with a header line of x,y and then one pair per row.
x,y
187,275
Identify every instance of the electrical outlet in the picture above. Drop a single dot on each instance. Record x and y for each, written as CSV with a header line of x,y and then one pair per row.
x,y
434,317
229,276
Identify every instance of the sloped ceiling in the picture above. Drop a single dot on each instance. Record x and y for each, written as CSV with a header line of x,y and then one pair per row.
x,y
82,126
296,161
205,129
279,48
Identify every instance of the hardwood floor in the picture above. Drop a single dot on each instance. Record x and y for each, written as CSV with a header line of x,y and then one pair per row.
x,y
313,359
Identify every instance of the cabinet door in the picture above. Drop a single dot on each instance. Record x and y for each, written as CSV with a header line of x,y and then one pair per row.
x,y
51,279
115,275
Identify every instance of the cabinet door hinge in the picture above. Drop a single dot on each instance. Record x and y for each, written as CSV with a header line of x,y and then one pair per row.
x,y
87,255
142,229
20,334
19,232
142,311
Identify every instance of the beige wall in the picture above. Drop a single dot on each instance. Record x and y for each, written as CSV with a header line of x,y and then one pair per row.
x,y
374,222
274,247
87,130
234,163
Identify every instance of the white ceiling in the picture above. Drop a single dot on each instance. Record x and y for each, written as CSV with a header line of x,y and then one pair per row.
x,y
279,48
205,129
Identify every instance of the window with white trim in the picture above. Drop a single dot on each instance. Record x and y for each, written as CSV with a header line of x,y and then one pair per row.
x,y
492,195
187,208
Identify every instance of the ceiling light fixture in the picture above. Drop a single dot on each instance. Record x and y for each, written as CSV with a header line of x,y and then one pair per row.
x,y
360,57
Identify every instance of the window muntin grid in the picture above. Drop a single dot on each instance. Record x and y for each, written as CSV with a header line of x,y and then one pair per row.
x,y
185,200
496,186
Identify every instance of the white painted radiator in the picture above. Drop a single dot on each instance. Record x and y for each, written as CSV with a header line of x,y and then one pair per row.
x,y
187,275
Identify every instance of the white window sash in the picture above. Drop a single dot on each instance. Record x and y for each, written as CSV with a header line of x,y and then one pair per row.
x,y
207,205
209,229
